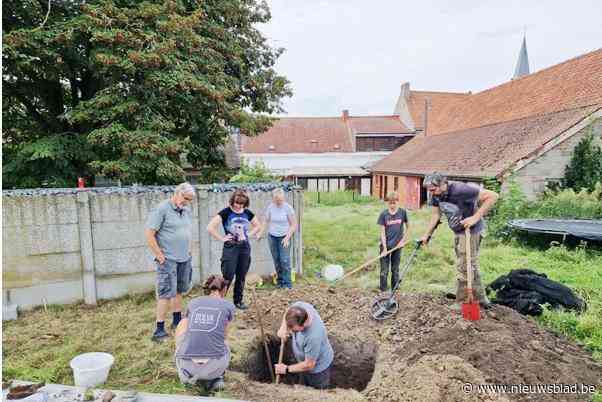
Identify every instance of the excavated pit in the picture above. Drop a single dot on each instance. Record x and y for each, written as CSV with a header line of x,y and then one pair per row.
x,y
427,352
352,368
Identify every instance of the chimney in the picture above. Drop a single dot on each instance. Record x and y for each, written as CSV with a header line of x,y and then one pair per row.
x,y
405,90
426,115
345,114
402,108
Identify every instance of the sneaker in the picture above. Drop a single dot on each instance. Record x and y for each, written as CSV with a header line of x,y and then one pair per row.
x,y
217,385
241,306
159,336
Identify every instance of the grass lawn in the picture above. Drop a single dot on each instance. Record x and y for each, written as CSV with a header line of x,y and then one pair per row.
x,y
348,235
40,344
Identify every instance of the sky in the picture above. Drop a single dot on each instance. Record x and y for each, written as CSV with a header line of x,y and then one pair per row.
x,y
355,54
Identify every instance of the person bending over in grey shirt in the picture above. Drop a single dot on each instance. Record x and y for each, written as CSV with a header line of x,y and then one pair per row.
x,y
202,354
311,346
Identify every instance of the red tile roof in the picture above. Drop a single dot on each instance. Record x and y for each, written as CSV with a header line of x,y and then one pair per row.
x,y
571,84
484,133
437,100
485,151
377,125
319,134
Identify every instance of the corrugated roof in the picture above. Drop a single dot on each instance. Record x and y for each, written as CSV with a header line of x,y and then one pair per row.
x,y
319,134
481,151
318,171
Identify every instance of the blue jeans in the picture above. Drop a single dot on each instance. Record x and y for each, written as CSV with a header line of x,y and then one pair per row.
x,y
282,261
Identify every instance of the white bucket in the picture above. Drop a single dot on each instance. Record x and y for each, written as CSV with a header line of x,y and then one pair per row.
x,y
91,369
332,272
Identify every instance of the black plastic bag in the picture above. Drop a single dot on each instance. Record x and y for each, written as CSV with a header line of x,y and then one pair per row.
x,y
526,291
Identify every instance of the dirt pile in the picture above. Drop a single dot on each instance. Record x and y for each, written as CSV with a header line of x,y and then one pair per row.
x,y
427,352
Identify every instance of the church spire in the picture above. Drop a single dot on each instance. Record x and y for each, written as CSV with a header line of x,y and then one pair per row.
x,y
522,65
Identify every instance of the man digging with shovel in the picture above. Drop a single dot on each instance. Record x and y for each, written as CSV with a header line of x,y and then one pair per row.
x,y
311,346
464,205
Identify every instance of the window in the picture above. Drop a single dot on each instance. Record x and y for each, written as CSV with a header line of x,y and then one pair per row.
x,y
396,184
302,181
380,143
192,179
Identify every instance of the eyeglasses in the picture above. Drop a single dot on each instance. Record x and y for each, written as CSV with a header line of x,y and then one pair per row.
x,y
189,199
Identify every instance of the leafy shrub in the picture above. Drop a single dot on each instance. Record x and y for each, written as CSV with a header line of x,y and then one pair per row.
x,y
512,204
585,167
570,204
336,198
567,204
258,173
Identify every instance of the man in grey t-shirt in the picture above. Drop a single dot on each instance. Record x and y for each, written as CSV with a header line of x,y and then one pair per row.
x,y
311,346
169,236
464,205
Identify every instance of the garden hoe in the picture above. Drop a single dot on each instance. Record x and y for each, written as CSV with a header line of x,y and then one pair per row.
x,y
470,309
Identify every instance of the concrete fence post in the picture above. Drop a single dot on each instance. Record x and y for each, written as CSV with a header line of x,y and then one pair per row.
x,y
86,248
204,241
300,212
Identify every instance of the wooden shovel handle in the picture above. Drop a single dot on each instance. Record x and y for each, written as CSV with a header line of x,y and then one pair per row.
x,y
280,357
468,265
263,339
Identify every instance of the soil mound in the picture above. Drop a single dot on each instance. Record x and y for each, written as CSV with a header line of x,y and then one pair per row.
x,y
427,352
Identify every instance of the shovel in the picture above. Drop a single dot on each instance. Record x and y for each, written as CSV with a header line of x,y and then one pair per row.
x,y
470,309
280,357
263,338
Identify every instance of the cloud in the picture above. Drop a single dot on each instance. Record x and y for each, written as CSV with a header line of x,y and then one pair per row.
x,y
353,54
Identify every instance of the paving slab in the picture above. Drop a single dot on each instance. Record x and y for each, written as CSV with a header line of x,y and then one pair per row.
x,y
53,390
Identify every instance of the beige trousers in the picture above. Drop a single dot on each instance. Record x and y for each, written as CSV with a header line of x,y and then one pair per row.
x,y
460,248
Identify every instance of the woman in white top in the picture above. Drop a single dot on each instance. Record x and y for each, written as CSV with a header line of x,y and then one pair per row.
x,y
280,224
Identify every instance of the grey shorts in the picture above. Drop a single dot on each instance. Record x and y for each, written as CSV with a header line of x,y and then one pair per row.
x,y
173,278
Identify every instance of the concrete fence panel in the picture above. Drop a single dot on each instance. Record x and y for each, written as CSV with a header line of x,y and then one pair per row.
x,y
69,245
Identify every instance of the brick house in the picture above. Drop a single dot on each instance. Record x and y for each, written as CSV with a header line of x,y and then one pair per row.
x,y
326,153
525,128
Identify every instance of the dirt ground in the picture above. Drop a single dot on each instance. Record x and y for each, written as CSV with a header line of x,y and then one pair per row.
x,y
427,352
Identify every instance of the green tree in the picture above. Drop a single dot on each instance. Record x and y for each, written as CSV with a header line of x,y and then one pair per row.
x,y
585,167
124,88
258,173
